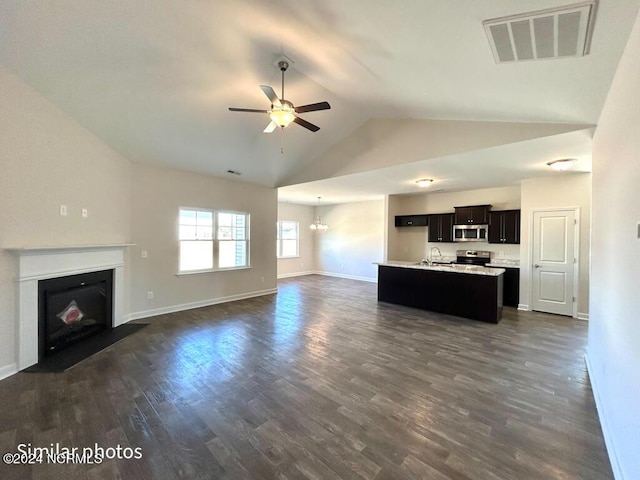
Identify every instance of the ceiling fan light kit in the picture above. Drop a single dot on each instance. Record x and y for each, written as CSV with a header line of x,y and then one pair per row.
x,y
283,112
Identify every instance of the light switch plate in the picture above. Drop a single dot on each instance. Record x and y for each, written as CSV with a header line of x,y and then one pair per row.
x,y
63,210
85,213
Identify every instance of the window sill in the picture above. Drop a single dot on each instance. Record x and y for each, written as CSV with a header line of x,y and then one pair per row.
x,y
211,270
292,256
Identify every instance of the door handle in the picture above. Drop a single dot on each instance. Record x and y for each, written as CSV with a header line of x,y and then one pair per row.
x,y
537,266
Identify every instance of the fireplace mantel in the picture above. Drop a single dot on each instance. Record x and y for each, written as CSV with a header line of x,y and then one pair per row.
x,y
39,263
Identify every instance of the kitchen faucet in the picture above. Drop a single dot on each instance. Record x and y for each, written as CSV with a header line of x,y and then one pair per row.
x,y
429,260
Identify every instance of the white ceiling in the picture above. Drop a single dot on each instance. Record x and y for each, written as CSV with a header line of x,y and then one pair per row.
x,y
153,79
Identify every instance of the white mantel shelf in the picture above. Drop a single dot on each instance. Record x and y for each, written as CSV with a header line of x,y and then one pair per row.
x,y
65,248
40,263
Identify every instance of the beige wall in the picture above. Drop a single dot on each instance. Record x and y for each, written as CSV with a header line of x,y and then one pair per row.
x,y
614,321
157,195
354,240
305,262
564,190
410,243
48,160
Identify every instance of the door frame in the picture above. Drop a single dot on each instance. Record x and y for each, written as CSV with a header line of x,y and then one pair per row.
x,y
576,251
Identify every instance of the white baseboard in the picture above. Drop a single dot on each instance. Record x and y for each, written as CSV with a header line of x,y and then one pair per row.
x,y
524,307
8,370
606,432
295,274
583,316
348,277
191,305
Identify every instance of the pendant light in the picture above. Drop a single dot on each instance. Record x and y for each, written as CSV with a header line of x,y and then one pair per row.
x,y
318,224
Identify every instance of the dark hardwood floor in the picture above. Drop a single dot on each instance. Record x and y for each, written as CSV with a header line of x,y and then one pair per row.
x,y
320,382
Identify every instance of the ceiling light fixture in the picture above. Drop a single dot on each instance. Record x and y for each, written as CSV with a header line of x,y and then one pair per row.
x,y
562,164
318,224
283,115
424,182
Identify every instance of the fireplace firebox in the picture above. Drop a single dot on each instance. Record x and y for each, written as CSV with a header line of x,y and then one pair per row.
x,y
72,309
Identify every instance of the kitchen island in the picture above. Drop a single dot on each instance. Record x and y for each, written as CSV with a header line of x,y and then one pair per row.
x,y
462,290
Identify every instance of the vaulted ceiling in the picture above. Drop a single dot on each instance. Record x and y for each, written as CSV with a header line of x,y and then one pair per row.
x,y
153,80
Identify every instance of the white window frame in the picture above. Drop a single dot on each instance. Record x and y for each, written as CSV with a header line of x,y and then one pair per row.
x,y
279,239
215,241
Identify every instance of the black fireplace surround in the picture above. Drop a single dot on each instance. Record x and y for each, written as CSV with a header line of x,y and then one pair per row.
x,y
72,309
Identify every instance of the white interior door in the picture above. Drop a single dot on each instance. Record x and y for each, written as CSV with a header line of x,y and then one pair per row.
x,y
553,261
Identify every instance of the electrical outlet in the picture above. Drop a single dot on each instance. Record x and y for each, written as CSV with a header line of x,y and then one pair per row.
x,y
501,254
143,254
85,213
63,210
149,295
262,279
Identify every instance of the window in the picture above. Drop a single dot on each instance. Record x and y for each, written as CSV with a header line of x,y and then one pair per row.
x,y
196,240
211,240
232,237
287,239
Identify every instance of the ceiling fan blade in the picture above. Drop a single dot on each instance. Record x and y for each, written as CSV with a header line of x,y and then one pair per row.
x,y
271,127
271,94
252,110
313,107
305,124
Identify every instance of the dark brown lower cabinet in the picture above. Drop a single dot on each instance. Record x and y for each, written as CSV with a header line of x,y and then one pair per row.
x,y
511,296
511,287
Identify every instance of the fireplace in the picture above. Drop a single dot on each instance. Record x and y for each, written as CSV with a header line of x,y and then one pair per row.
x,y
73,308
37,264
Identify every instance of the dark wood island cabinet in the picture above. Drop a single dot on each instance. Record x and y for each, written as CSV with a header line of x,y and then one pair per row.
x,y
469,292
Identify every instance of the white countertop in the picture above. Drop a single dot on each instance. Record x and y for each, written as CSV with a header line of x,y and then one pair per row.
x,y
472,269
505,264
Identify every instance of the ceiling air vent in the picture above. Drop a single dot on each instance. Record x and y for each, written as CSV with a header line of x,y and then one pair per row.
x,y
553,33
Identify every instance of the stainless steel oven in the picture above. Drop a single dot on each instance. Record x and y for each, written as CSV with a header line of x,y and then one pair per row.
x,y
470,233
472,257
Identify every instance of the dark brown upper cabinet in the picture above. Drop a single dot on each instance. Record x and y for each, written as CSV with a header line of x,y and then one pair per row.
x,y
411,220
441,227
504,226
473,215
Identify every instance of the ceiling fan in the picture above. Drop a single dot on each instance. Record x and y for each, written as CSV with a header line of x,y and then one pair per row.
x,y
283,112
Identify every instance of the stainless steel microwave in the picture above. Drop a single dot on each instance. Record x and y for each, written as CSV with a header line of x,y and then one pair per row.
x,y
470,233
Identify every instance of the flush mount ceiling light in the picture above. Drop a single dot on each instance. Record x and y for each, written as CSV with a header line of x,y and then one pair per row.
x,y
424,182
318,224
553,33
562,164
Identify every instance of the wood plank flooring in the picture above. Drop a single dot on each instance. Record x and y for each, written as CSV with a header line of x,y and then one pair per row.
x,y
320,382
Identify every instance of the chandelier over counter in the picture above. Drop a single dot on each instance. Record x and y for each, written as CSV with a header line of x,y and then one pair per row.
x,y
318,224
